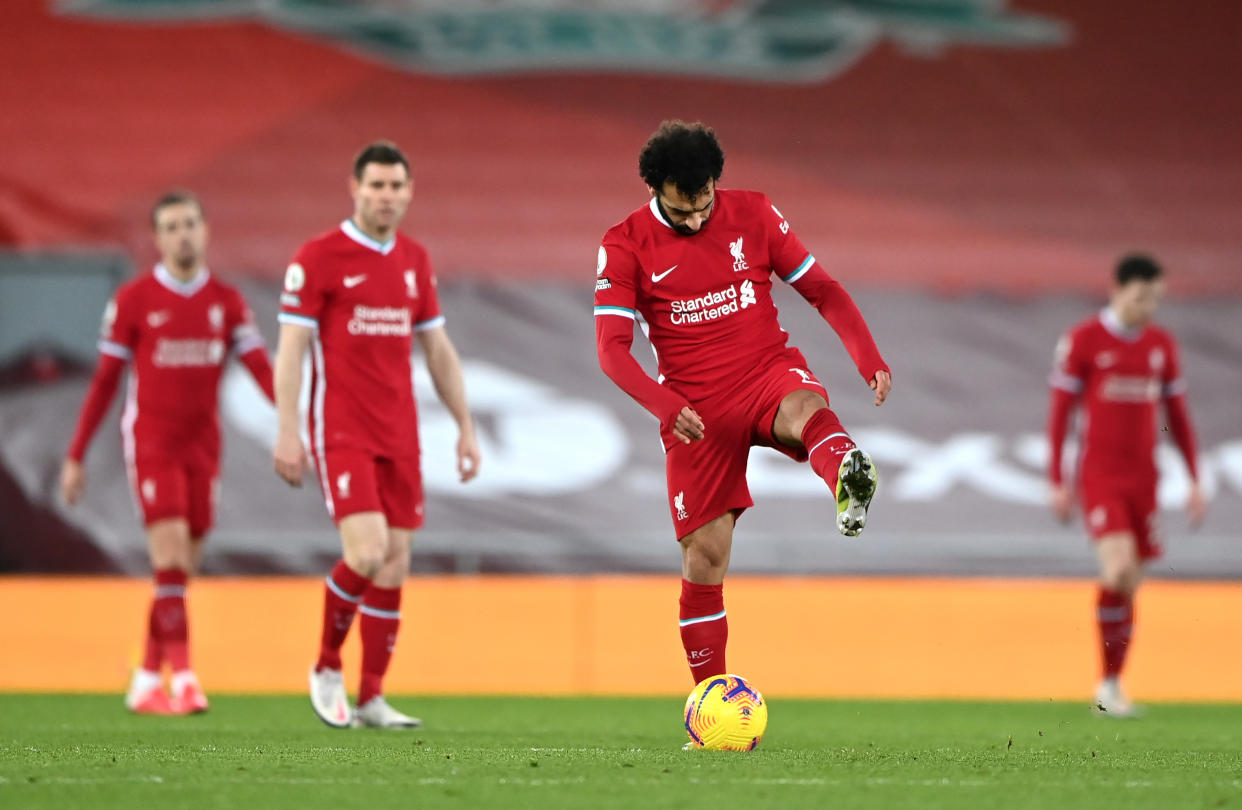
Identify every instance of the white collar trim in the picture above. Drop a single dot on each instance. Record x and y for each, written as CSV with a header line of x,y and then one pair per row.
x,y
355,233
1114,325
185,288
655,212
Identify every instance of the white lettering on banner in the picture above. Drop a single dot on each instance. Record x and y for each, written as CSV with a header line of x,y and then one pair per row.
x,y
525,452
1002,468
380,321
524,448
170,353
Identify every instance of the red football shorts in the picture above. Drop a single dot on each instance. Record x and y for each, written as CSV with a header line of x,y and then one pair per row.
x,y
356,481
175,489
1110,508
707,478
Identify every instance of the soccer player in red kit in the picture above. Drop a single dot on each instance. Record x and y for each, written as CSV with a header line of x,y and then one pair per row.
x,y
694,266
177,325
355,296
1120,367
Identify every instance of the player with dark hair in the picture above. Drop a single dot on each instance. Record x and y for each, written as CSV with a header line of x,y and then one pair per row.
x,y
355,296
695,265
178,325
1120,365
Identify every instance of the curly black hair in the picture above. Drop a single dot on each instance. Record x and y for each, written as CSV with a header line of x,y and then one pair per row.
x,y
1137,266
686,155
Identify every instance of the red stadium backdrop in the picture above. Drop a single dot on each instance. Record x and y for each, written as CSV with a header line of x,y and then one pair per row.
x,y
925,160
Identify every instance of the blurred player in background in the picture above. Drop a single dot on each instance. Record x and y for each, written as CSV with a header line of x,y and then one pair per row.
x,y
355,296
696,265
178,325
1120,366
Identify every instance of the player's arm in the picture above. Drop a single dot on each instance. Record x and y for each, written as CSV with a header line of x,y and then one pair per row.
x,y
289,456
836,307
247,343
103,388
444,365
795,265
615,316
1066,383
117,341
1177,412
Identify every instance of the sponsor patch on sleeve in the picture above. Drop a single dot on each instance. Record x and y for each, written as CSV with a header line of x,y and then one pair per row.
x,y
602,284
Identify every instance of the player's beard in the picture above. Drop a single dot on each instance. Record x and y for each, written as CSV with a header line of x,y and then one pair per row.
x,y
187,259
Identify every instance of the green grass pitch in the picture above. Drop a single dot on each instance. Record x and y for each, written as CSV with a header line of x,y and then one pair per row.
x,y
63,752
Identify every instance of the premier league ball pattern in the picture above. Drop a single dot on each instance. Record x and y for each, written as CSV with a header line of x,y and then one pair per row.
x,y
725,713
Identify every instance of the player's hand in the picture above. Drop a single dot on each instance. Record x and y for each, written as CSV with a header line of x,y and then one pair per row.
x,y
1196,505
881,383
468,456
72,481
1062,502
688,427
289,458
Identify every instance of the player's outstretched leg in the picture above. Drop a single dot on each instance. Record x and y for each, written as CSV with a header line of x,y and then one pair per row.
x,y
856,484
847,470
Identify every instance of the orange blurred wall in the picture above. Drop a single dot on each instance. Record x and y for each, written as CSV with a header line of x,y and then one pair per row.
x,y
826,637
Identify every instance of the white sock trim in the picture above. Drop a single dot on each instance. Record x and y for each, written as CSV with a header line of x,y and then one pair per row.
x,y
826,438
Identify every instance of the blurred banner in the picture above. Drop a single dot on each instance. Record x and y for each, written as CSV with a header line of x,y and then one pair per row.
x,y
969,169
962,145
573,471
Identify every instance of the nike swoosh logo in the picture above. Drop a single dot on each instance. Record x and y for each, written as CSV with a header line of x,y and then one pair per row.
x,y
701,663
158,319
354,281
659,277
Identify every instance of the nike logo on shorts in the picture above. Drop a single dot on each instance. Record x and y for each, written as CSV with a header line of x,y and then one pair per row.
x,y
659,277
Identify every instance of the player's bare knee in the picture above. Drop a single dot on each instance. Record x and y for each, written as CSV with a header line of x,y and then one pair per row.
x,y
794,412
366,554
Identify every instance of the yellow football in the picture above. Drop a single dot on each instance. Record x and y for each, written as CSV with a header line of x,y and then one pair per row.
x,y
725,713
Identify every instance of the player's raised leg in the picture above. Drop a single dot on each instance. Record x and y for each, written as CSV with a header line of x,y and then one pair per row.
x,y
1120,574
804,419
380,622
704,625
364,543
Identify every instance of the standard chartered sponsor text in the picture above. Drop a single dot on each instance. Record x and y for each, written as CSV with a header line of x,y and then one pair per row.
x,y
380,321
707,307
172,353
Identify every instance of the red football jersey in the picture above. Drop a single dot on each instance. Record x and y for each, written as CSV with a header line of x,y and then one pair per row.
x,y
1121,375
365,301
178,335
707,298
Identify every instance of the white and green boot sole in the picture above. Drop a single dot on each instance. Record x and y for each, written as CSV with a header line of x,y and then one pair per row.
x,y
856,483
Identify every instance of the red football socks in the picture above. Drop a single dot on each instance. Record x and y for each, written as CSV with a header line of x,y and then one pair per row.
x,y
342,592
1115,614
826,442
168,628
704,629
381,618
